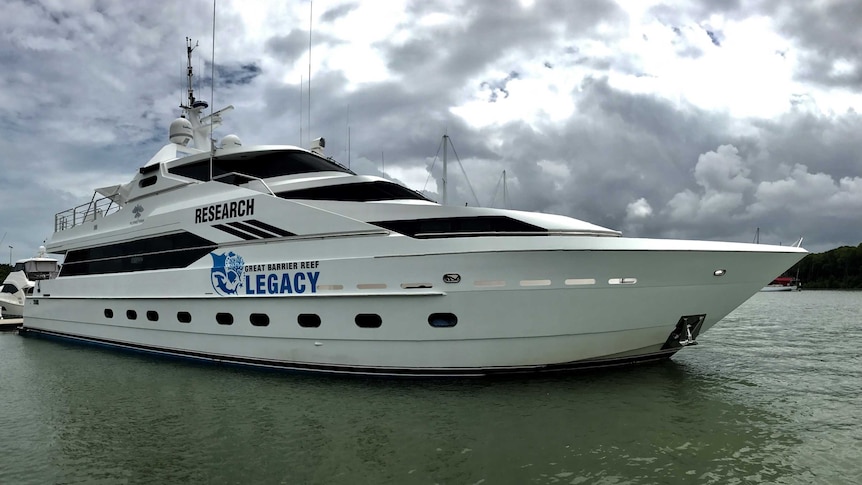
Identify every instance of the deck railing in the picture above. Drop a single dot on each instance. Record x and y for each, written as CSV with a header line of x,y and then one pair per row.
x,y
91,211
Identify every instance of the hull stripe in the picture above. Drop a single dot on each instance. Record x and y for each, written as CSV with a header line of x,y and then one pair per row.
x,y
250,229
234,232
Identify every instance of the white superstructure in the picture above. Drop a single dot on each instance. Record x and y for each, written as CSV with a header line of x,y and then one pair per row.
x,y
276,256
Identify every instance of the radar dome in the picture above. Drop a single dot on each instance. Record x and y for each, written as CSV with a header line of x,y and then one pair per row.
x,y
181,131
231,141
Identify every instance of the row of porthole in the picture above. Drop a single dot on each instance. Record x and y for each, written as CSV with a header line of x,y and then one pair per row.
x,y
305,320
487,284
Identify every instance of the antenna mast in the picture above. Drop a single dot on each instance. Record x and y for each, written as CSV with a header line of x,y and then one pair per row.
x,y
189,73
301,83
310,9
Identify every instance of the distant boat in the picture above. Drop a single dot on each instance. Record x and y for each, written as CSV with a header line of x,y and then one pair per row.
x,y
783,283
22,279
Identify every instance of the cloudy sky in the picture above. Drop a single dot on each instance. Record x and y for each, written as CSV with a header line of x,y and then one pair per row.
x,y
700,119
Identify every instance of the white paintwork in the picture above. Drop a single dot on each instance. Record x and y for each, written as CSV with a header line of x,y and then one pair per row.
x,y
773,288
578,295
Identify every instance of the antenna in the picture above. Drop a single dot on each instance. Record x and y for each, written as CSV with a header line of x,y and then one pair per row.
x,y
190,73
383,164
348,135
310,9
301,83
212,93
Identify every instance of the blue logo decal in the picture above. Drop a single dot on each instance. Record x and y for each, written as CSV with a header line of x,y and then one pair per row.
x,y
226,274
138,210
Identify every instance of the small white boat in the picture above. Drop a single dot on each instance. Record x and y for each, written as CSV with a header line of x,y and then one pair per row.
x,y
782,283
21,281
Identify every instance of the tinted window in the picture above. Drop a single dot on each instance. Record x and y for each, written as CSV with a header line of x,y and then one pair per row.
x,y
446,227
9,288
163,252
224,318
109,313
131,314
184,317
262,165
360,192
152,316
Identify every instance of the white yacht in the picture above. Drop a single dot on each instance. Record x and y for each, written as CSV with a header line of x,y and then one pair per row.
x,y
19,283
275,256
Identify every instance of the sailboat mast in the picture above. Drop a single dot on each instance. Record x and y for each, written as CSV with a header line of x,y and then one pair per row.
x,y
505,203
445,175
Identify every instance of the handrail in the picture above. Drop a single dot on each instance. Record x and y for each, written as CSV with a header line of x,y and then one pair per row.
x,y
88,212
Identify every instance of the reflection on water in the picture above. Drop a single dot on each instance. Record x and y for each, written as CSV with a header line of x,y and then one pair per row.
x,y
770,396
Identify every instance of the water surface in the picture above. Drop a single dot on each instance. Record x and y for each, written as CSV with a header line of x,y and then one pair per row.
x,y
772,395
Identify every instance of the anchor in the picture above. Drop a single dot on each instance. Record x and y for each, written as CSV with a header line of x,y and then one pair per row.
x,y
685,333
689,340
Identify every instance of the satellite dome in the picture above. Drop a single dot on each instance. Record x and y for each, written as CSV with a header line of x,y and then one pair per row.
x,y
181,131
231,141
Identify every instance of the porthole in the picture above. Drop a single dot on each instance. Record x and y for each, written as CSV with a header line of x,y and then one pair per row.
x,y
109,313
442,320
152,316
368,320
259,319
184,317
224,318
308,320
131,314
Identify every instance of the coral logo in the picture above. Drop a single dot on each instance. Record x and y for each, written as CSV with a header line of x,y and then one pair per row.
x,y
138,210
226,273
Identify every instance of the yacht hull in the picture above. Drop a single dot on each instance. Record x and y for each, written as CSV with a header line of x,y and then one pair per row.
x,y
510,310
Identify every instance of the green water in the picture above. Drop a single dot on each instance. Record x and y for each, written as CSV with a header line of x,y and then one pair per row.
x,y
772,395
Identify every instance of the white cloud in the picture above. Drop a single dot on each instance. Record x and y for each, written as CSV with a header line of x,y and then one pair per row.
x,y
620,120
722,170
639,209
